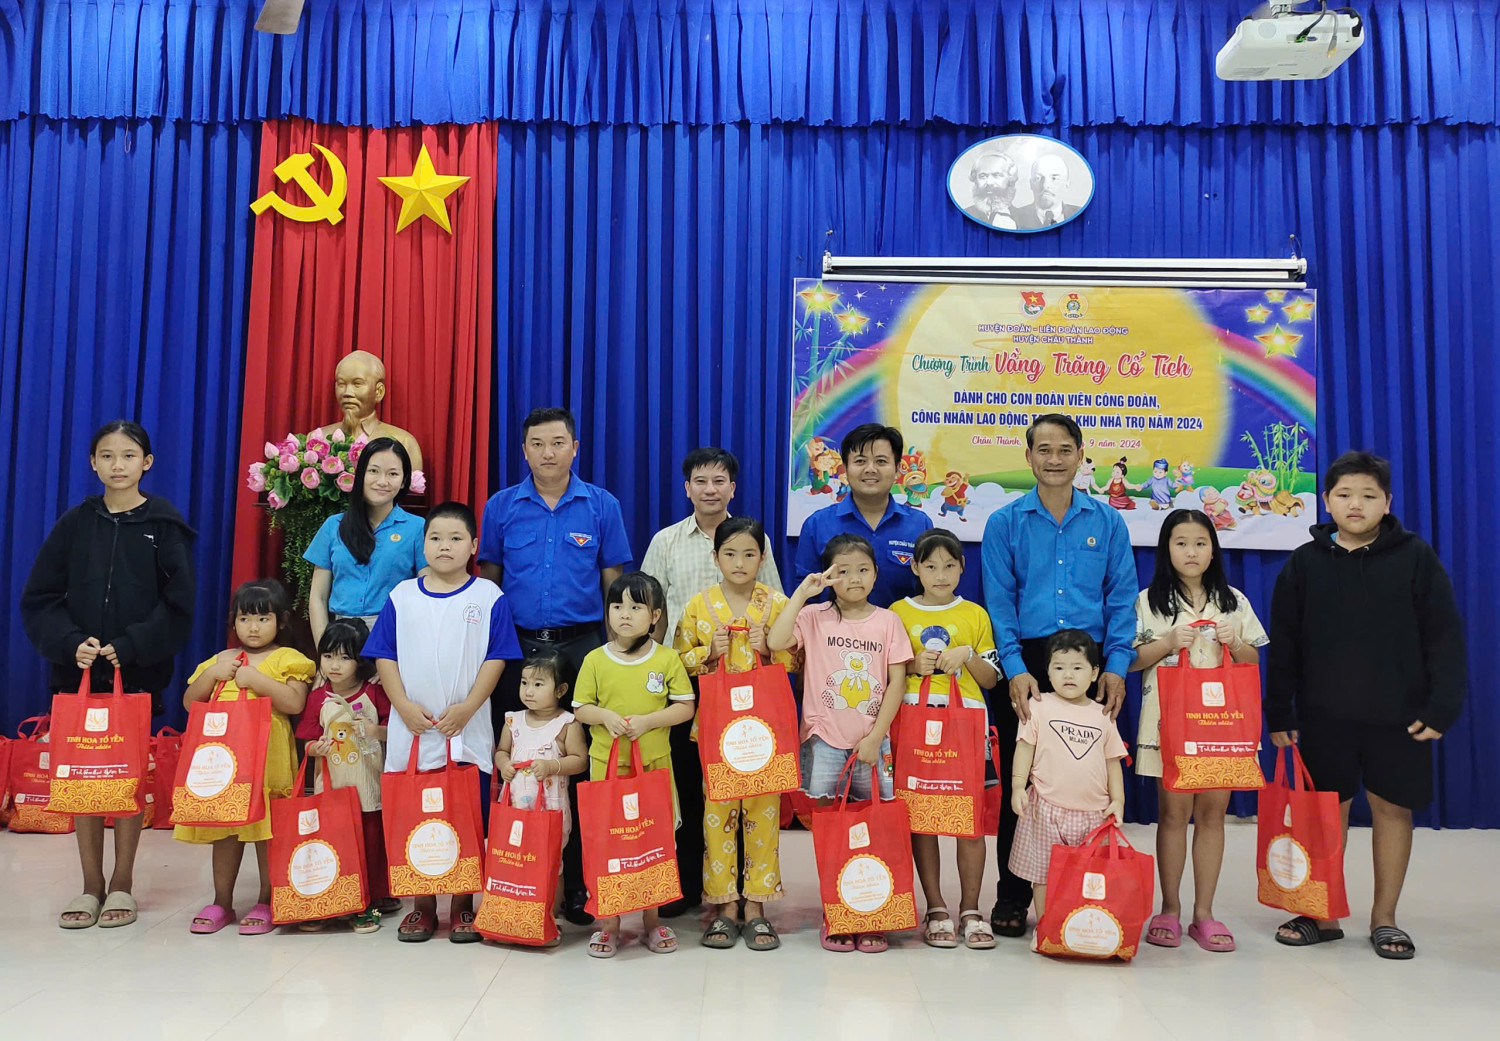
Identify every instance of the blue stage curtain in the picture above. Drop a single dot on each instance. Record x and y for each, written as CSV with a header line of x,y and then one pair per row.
x,y
644,279
838,62
123,280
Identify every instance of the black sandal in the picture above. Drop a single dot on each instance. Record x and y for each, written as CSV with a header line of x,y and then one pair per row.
x,y
1389,934
1008,921
761,929
1308,932
721,933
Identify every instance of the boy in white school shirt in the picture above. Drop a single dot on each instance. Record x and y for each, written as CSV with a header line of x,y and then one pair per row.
x,y
440,645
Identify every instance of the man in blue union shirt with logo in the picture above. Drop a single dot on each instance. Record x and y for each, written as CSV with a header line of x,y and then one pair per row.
x,y
870,453
1056,558
553,543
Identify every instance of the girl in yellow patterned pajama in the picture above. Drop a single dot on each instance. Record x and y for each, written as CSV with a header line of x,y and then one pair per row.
x,y
704,637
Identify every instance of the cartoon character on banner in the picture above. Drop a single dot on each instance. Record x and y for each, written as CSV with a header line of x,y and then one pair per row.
x,y
1245,497
1160,486
1285,504
853,686
1182,480
955,495
1217,508
827,468
911,476
1118,484
1083,480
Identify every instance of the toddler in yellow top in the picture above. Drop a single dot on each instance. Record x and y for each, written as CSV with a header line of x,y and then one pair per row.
x,y
633,688
705,640
260,611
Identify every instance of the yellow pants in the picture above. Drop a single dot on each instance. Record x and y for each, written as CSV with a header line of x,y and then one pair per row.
x,y
760,820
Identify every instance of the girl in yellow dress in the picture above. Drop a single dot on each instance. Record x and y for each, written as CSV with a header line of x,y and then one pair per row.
x,y
260,610
703,639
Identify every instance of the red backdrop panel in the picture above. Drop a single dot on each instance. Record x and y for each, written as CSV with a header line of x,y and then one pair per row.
x,y
420,300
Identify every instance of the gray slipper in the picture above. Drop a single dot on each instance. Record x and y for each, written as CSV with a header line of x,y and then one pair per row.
x,y
118,902
85,904
721,934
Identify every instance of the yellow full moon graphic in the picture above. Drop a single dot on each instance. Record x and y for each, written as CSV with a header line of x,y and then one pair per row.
x,y
964,353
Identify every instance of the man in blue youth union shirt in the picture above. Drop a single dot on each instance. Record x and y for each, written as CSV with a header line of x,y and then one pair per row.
x,y
870,453
1056,558
553,543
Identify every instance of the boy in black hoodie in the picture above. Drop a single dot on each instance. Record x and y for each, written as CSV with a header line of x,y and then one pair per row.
x,y
1366,669
112,586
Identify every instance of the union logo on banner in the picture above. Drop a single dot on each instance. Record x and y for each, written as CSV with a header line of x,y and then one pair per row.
x,y
1033,303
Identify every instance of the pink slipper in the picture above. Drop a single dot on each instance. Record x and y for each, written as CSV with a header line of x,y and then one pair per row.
x,y
872,943
838,943
1169,924
1207,934
260,914
211,919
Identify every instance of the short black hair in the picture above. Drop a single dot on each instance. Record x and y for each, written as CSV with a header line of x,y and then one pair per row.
x,y
934,539
347,636
1057,419
733,526
537,416
642,589
553,662
261,596
865,435
1075,640
458,510
1351,463
698,458
132,430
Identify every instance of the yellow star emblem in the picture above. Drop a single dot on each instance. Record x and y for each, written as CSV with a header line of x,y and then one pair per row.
x,y
1299,311
817,298
1280,341
422,193
1275,296
1258,314
851,321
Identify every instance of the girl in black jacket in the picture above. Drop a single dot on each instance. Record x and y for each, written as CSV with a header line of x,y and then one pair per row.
x,y
112,586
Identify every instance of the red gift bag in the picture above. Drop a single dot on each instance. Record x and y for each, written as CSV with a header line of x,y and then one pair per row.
x,y
521,862
31,782
317,853
1210,725
629,838
221,773
863,851
1099,895
100,747
166,752
747,732
4,780
939,756
1299,845
433,843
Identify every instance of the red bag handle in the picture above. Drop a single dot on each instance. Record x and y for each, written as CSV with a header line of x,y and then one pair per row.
x,y
301,783
243,659
846,780
85,684
169,732
1108,833
955,694
759,659
41,729
416,741
1182,658
1300,776
637,767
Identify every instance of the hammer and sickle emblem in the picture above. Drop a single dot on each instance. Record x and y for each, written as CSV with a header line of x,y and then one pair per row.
x,y
325,205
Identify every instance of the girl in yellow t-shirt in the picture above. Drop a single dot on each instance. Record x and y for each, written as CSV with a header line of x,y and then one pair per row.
x,y
949,636
634,688
704,640
259,611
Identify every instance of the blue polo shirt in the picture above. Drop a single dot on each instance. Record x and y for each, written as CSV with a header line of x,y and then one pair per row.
x,y
361,589
893,539
1041,576
551,558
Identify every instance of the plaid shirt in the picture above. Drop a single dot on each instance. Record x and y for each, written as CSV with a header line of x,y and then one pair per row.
x,y
681,558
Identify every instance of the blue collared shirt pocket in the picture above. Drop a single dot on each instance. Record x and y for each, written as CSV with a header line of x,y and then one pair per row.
x,y
901,556
1089,564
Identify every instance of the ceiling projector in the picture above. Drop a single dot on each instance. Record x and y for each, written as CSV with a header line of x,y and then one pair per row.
x,y
1280,42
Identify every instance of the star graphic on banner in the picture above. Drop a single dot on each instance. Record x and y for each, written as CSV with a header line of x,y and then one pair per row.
x,y
880,325
817,298
1275,296
423,192
1280,341
1299,311
851,321
859,295
1258,314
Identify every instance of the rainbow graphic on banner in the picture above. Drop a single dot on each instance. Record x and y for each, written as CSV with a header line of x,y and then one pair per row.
x,y
961,370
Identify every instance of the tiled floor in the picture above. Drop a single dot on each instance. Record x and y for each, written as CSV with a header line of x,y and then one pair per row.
x,y
158,981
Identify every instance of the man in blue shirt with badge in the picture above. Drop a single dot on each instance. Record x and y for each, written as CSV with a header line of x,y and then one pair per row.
x,y
1056,558
870,453
553,543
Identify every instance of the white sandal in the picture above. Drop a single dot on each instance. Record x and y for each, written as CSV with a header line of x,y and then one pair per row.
x,y
943,926
978,936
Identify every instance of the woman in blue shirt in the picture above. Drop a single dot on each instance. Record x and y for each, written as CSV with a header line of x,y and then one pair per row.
x,y
360,555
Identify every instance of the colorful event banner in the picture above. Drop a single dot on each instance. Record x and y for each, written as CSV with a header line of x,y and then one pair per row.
x,y
1194,398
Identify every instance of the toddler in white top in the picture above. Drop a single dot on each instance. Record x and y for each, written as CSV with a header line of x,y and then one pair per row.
x,y
542,747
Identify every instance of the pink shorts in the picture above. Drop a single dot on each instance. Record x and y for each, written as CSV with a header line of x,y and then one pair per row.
x,y
1043,826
